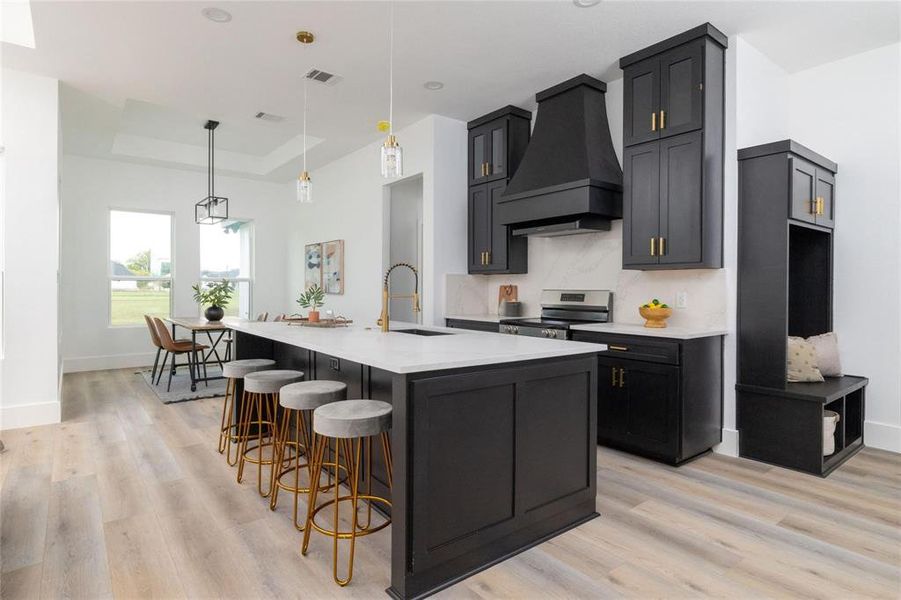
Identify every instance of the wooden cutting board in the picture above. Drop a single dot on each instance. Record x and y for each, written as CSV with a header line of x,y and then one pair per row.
x,y
510,293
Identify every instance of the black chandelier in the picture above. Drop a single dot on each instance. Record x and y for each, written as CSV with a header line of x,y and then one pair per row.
x,y
212,209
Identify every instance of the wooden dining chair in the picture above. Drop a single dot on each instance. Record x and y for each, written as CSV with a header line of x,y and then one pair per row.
x,y
176,348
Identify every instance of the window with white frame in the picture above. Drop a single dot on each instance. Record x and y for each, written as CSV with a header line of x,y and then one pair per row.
x,y
226,252
140,265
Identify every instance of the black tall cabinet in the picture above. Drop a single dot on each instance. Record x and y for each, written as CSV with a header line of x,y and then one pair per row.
x,y
497,142
785,256
673,107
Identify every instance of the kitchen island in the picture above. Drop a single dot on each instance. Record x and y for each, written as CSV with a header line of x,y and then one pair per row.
x,y
493,436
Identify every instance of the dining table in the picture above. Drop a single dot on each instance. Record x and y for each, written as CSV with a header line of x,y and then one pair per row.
x,y
216,332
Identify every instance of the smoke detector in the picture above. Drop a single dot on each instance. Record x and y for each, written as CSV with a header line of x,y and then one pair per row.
x,y
264,116
324,77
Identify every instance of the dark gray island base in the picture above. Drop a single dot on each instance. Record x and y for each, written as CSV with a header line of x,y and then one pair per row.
x,y
488,460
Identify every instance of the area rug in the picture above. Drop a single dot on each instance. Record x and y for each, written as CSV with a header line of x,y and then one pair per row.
x,y
180,390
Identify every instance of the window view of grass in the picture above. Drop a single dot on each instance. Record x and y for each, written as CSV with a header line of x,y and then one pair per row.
x,y
128,307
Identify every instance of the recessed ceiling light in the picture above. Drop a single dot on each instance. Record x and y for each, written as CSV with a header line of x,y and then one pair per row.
x,y
433,85
217,15
586,3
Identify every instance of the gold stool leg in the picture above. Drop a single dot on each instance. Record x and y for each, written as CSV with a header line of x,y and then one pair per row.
x,y
247,401
319,443
278,453
224,432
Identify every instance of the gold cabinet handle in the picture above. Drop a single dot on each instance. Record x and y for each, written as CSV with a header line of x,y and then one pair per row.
x,y
662,119
653,246
619,348
487,168
662,246
622,378
653,121
813,206
484,258
613,372
821,205
488,257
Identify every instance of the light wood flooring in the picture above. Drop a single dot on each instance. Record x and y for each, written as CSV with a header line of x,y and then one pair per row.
x,y
128,498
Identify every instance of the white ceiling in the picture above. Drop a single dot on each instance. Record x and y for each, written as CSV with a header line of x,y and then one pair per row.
x,y
142,77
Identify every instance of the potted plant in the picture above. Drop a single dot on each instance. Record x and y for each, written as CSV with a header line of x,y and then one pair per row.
x,y
312,299
215,296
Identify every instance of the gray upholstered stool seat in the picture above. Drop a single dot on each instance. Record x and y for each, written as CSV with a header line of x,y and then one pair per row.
x,y
310,395
238,369
270,382
352,418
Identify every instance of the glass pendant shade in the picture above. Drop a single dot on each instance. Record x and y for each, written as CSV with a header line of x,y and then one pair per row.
x,y
304,188
392,158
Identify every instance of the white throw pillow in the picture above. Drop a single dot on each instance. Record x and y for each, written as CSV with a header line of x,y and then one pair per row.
x,y
801,361
826,346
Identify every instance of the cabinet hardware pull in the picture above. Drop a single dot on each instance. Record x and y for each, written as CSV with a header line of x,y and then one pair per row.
x,y
613,371
821,205
662,119
487,169
653,121
487,257
653,246
619,348
662,246
622,378
813,206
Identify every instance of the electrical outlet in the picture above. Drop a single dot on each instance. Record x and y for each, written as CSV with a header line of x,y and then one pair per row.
x,y
682,300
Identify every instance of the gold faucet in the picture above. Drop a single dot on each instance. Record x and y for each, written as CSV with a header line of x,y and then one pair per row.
x,y
386,296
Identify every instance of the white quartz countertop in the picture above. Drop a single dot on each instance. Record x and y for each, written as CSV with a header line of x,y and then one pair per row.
x,y
678,333
407,353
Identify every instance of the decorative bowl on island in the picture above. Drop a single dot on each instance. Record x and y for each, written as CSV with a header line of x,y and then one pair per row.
x,y
655,313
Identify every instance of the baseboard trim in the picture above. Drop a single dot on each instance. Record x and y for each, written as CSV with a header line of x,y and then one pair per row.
x,y
29,415
884,436
729,445
102,363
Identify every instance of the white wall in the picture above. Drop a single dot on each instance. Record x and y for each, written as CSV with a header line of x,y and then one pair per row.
x,y
848,111
29,369
90,187
349,203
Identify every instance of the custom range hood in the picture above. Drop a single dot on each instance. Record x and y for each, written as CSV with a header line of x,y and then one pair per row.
x,y
569,180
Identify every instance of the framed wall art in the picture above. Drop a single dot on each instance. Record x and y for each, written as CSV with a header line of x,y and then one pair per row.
x,y
312,265
333,267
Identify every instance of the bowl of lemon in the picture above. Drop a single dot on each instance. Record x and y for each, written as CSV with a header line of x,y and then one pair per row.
x,y
655,313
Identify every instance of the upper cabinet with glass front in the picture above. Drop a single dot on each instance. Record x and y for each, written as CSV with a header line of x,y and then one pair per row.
x,y
495,141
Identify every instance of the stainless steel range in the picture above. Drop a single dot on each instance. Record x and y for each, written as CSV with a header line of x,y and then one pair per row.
x,y
559,310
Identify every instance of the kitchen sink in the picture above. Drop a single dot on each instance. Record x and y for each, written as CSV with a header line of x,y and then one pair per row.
x,y
422,332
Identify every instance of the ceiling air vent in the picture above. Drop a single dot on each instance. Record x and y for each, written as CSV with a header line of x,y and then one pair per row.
x,y
323,77
270,117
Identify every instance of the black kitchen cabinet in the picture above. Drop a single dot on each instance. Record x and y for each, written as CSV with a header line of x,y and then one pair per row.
x,y
497,142
663,220
492,326
673,153
786,202
659,397
663,95
491,248
812,192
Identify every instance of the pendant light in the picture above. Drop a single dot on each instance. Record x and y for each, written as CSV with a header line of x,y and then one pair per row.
x,y
212,209
304,185
392,153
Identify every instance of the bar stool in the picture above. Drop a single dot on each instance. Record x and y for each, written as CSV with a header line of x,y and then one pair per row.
x,y
299,400
228,428
261,397
349,423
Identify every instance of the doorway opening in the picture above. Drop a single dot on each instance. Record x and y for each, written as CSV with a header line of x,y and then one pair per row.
x,y
403,235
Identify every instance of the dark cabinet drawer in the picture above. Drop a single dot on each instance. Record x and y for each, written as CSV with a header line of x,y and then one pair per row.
x,y
491,326
633,348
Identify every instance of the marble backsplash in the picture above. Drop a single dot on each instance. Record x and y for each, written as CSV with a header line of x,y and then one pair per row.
x,y
594,261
